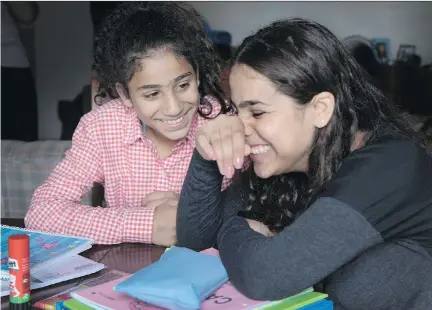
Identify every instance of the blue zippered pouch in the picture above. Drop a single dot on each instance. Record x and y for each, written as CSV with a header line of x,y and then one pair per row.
x,y
182,279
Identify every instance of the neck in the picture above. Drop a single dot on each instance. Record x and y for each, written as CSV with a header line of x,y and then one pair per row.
x,y
163,145
359,140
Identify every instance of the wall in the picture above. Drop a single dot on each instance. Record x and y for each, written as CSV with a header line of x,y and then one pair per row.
x,y
63,67
63,43
403,22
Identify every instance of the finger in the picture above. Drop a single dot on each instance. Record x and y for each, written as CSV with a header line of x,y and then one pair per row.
x,y
171,195
227,149
156,203
172,203
216,144
238,139
204,147
153,196
159,195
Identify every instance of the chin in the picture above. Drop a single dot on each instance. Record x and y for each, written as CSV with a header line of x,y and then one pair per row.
x,y
177,135
263,173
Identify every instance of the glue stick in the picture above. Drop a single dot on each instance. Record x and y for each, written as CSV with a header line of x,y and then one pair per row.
x,y
19,272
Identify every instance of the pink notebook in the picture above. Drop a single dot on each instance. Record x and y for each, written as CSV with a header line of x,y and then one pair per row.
x,y
104,297
225,298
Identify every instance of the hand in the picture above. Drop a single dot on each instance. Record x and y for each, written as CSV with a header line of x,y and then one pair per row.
x,y
164,225
223,139
156,199
260,228
165,216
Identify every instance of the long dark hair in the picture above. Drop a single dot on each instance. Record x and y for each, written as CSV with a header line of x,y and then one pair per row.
x,y
134,30
303,58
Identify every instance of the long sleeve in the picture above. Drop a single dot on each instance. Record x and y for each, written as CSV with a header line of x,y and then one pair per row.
x,y
380,193
324,238
200,213
56,207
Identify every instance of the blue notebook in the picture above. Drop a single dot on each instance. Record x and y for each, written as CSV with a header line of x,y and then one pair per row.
x,y
44,247
324,304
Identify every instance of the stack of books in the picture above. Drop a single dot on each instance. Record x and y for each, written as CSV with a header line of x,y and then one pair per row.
x,y
101,295
53,258
104,297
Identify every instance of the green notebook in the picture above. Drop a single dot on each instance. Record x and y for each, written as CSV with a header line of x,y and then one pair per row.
x,y
298,301
74,304
272,304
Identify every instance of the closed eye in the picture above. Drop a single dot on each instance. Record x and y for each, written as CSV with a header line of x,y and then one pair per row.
x,y
151,95
257,114
183,86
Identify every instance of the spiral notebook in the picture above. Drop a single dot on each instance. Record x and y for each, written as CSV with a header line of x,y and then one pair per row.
x,y
45,248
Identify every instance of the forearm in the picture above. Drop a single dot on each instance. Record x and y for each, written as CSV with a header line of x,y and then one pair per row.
x,y
328,235
199,213
104,225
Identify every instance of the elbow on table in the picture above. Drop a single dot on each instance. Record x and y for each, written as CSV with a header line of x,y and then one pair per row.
x,y
30,219
35,216
260,290
260,284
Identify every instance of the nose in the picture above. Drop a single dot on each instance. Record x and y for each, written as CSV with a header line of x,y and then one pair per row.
x,y
248,124
173,106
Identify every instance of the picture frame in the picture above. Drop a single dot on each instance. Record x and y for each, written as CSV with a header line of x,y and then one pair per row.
x,y
382,50
405,52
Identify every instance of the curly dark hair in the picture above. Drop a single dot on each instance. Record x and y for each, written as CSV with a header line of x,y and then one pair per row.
x,y
135,29
303,58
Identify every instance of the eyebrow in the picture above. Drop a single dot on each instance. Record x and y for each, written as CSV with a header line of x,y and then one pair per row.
x,y
179,78
246,103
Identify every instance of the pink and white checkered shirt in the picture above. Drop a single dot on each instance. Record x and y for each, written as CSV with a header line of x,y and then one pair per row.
x,y
109,147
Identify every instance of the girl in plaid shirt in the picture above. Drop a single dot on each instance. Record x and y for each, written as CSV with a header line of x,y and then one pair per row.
x,y
157,63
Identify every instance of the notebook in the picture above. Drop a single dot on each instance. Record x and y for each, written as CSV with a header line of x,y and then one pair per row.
x,y
103,297
63,297
68,268
45,248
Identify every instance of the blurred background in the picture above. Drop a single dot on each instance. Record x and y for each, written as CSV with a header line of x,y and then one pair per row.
x,y
58,46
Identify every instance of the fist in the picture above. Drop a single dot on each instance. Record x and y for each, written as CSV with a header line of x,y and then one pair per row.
x,y
223,139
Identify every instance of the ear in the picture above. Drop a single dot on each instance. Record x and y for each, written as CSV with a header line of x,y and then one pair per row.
x,y
121,90
198,78
322,106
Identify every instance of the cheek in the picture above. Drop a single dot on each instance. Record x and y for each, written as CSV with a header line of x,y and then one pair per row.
x,y
286,135
274,131
145,109
190,96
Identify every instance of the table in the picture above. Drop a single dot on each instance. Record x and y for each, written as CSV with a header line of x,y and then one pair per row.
x,y
125,257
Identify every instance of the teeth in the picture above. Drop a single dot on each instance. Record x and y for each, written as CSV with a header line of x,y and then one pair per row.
x,y
260,149
174,122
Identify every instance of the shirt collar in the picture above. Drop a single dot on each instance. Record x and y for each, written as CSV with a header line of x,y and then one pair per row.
x,y
132,129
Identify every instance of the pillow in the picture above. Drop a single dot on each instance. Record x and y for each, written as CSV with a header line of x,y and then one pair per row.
x,y
181,279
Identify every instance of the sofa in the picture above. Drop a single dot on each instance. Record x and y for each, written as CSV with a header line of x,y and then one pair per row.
x,y
25,166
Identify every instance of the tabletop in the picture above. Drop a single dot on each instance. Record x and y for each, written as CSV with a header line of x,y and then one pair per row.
x,y
126,257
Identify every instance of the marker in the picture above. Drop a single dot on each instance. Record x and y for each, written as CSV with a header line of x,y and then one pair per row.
x,y
19,271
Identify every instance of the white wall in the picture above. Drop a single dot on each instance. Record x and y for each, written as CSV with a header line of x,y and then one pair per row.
x,y
63,37
402,22
63,43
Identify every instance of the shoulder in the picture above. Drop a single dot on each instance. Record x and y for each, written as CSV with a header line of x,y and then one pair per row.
x,y
108,117
399,153
387,167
